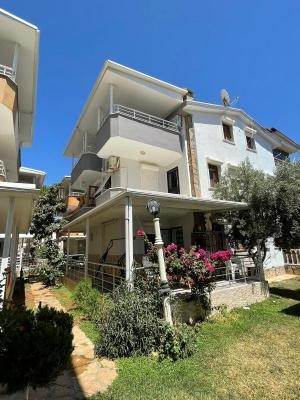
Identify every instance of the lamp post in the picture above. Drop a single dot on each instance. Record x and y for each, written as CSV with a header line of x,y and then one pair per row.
x,y
153,207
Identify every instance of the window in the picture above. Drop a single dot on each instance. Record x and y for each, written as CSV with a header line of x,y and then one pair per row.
x,y
213,175
250,143
228,133
173,181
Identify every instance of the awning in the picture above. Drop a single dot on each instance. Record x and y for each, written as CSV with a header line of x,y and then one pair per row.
x,y
171,205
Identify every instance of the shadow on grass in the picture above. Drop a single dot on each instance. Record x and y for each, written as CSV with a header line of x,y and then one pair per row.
x,y
293,310
288,293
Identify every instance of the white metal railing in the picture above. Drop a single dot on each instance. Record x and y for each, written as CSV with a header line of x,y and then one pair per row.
x,y
8,71
292,257
2,171
75,194
85,150
104,277
143,117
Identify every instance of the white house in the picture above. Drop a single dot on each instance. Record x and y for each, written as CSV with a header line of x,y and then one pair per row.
x,y
19,44
139,138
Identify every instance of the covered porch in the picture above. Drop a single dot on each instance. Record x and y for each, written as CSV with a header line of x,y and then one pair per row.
x,y
16,205
112,247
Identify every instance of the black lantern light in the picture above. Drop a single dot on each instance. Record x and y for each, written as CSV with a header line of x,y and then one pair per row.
x,y
153,207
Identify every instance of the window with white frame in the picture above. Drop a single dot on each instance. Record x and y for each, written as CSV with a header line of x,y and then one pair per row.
x,y
213,171
250,142
227,132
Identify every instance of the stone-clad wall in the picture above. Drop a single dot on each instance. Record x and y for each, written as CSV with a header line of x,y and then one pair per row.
x,y
240,295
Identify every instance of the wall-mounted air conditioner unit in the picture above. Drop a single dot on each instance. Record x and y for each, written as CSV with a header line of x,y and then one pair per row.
x,y
112,164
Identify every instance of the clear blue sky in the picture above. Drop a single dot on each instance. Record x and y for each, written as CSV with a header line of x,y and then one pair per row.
x,y
249,47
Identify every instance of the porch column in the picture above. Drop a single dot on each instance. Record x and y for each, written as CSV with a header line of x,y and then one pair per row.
x,y
128,241
87,240
68,251
6,246
13,260
111,98
98,118
15,60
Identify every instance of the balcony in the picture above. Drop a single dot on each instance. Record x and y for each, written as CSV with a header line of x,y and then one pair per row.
x,y
87,169
8,71
138,136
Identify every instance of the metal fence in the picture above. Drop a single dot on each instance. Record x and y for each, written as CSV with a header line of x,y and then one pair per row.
x,y
104,277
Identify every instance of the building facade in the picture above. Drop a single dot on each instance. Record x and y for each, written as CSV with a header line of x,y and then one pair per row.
x,y
139,138
19,44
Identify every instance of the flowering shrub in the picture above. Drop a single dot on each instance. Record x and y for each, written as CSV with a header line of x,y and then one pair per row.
x,y
221,255
193,268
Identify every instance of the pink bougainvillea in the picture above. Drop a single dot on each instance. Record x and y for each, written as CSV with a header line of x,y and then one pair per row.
x,y
194,267
140,232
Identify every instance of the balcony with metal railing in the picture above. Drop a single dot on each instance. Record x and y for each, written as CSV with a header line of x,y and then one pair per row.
x,y
130,133
8,71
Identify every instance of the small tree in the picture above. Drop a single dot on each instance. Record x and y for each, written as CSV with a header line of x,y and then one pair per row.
x,y
34,347
273,205
45,222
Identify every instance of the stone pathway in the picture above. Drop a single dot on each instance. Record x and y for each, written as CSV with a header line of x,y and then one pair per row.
x,y
88,375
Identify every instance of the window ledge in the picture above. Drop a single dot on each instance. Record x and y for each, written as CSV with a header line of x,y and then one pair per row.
x,y
252,151
229,142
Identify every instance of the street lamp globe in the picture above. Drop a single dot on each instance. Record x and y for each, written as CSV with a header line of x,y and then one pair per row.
x,y
153,207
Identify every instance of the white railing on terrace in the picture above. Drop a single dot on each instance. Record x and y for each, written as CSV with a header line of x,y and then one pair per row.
x,y
85,150
142,117
292,257
104,277
8,71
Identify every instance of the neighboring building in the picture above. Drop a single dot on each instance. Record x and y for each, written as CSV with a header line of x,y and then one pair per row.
x,y
139,138
19,44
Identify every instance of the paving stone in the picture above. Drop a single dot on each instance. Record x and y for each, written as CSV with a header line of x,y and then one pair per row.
x,y
88,375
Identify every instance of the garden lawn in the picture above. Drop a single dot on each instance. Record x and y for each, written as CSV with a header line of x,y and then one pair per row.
x,y
64,296
247,354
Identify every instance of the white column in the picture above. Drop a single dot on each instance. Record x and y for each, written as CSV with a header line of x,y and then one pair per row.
x,y
68,251
7,242
98,118
87,240
16,59
13,260
128,241
111,98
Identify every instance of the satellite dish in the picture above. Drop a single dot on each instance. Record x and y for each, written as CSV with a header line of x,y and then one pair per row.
x,y
225,97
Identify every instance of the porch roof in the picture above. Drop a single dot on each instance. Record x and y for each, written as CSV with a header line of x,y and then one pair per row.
x,y
24,195
172,206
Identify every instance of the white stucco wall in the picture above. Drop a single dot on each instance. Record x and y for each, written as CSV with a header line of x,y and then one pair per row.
x,y
211,148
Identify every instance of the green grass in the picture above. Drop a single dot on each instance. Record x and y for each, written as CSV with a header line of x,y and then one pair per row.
x,y
246,354
64,296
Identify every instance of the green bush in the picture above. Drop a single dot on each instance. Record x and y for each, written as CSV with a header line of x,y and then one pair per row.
x,y
49,274
132,327
51,262
34,347
91,303
177,342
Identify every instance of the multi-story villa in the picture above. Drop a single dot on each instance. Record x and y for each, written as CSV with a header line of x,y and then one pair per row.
x,y
19,44
139,138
